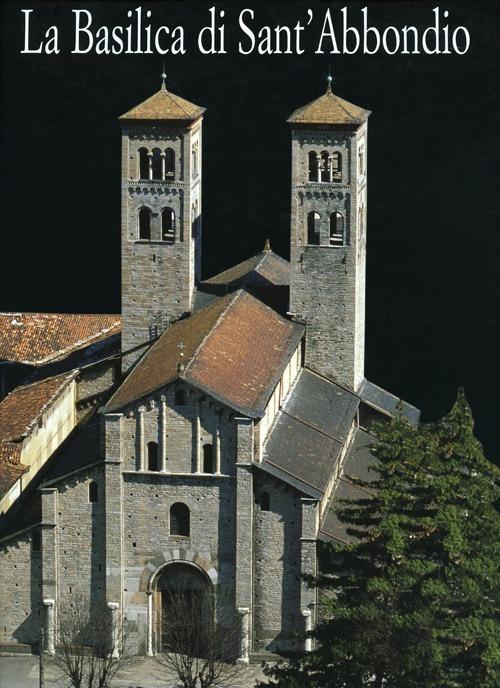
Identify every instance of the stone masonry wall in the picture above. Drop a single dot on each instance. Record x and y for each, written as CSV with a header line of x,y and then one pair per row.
x,y
277,567
21,606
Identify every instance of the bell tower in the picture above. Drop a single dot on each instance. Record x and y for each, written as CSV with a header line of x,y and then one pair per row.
x,y
328,234
161,215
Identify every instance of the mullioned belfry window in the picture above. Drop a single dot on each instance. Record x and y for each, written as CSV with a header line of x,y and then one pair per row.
x,y
325,167
153,464
337,229
313,220
143,163
179,519
145,224
336,167
313,167
169,163
156,164
168,225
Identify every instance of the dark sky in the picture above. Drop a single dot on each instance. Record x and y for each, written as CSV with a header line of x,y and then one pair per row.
x,y
433,231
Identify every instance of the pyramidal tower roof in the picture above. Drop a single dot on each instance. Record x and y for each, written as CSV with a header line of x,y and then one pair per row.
x,y
329,109
165,105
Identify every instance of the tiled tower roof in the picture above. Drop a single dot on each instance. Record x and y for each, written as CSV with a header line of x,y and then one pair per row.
x,y
165,105
329,109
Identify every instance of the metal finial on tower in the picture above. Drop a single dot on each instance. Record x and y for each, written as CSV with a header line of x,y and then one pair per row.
x,y
163,77
267,246
329,80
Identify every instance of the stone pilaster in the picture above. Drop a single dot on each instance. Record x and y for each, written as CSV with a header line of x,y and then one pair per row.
x,y
50,626
113,489
162,428
308,563
49,561
244,519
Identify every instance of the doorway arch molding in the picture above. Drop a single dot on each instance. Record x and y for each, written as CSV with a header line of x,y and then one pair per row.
x,y
175,556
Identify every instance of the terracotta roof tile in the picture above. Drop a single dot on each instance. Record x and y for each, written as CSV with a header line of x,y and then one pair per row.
x,y
235,349
38,338
22,408
9,475
329,109
165,105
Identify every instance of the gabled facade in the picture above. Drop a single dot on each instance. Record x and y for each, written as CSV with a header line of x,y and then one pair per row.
x,y
242,411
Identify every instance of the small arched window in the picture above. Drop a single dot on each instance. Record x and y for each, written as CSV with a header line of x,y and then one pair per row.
x,y
169,163
179,519
143,163
36,541
156,164
180,397
93,495
153,456
337,167
361,161
265,501
194,159
168,225
325,167
313,220
337,233
313,167
145,224
208,458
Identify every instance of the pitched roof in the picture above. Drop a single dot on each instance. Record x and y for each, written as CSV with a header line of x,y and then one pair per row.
x,y
307,440
264,269
39,338
164,105
235,349
22,408
329,109
388,403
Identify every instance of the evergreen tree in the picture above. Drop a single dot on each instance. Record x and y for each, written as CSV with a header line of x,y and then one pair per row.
x,y
413,603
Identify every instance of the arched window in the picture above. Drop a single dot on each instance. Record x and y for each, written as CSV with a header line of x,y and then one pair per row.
x,y
208,458
313,219
93,496
337,234
337,167
169,163
156,164
143,163
179,519
361,161
145,224
325,167
265,501
168,225
180,397
153,456
313,167
35,540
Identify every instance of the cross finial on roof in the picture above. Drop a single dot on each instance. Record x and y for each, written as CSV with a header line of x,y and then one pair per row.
x,y
163,77
329,80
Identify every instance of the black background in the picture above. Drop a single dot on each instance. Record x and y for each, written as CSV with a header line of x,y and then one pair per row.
x,y
433,165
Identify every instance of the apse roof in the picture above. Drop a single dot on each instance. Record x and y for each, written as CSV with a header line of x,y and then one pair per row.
x,y
235,349
164,105
329,109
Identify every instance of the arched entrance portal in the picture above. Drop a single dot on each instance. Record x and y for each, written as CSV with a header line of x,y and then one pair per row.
x,y
180,591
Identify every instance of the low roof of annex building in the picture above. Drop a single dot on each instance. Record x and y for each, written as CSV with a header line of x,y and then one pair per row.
x,y
40,338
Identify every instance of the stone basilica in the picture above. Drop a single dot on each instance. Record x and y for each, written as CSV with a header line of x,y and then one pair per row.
x,y
207,431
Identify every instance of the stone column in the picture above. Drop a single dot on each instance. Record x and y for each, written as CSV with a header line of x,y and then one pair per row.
x,y
113,502
307,614
162,424
150,165
149,639
245,634
217,444
50,627
115,637
197,433
330,168
140,437
162,156
318,165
